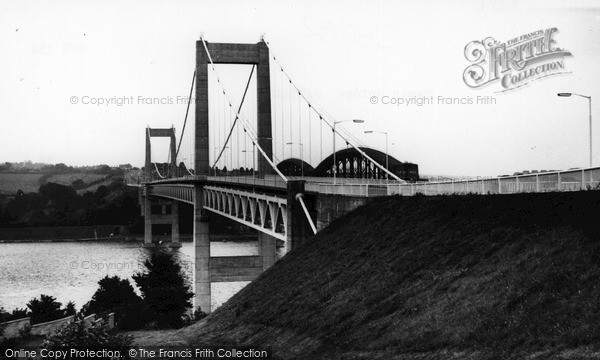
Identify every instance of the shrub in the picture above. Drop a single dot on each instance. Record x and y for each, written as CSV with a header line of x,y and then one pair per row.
x,y
75,335
3,315
117,295
16,314
44,309
69,309
199,314
165,289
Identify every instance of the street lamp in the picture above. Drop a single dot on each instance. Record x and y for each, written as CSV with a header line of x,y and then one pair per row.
x,y
253,158
215,164
387,176
301,154
224,159
357,121
590,107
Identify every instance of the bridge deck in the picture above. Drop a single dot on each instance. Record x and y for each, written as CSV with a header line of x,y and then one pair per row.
x,y
568,180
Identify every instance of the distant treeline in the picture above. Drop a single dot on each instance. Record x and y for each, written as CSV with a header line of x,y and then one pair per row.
x,y
40,168
60,205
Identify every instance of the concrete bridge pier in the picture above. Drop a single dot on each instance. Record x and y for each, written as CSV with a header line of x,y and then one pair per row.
x,y
147,213
202,253
161,212
267,250
175,237
298,228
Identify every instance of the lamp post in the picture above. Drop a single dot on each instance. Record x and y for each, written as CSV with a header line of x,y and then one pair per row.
x,y
215,165
224,160
301,154
253,158
357,121
590,109
387,176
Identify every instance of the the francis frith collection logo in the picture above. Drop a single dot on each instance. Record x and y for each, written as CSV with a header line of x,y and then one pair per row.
x,y
516,62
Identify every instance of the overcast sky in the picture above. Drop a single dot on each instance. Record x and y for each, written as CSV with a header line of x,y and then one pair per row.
x,y
342,53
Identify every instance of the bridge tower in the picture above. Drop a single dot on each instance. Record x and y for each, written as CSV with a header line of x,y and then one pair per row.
x,y
160,211
222,53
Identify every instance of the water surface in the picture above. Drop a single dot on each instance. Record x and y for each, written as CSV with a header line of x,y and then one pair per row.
x,y
70,271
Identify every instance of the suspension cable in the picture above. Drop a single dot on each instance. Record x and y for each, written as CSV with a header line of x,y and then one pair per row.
x,y
291,121
236,118
186,115
158,172
282,119
300,128
309,137
332,121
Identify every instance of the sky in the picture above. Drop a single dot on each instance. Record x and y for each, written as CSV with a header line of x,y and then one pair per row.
x,y
342,54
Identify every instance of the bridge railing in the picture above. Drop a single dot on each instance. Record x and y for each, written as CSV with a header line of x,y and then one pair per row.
x,y
568,180
363,190
267,181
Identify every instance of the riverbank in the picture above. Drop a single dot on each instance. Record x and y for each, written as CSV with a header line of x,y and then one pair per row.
x,y
67,233
101,239
97,233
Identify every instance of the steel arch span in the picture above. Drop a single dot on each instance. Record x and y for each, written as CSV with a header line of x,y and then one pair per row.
x,y
295,167
351,164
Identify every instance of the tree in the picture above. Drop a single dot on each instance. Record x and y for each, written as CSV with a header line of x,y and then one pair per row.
x,y
103,169
117,295
7,167
69,309
3,315
78,184
45,309
165,289
16,314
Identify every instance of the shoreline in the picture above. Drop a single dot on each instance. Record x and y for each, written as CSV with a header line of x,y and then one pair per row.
x,y
102,239
132,238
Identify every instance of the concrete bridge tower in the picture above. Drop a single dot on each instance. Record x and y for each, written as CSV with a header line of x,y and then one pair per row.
x,y
159,211
221,53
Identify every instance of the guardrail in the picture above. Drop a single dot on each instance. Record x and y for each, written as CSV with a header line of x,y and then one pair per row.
x,y
568,180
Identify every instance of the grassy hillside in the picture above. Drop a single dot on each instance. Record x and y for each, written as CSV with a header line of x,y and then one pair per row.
x,y
470,277
10,183
68,178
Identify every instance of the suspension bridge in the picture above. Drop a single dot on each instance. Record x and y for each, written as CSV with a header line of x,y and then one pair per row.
x,y
264,159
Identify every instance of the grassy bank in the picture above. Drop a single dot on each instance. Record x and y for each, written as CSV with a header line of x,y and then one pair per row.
x,y
470,277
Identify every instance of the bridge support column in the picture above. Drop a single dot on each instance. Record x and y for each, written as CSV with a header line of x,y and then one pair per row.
x,y
202,254
267,250
298,228
175,240
147,221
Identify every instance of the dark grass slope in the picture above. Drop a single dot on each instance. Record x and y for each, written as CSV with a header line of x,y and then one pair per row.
x,y
497,276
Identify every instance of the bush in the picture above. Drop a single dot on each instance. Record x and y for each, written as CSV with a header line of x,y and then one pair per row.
x,y
47,309
69,309
165,289
16,314
117,295
199,314
3,316
75,335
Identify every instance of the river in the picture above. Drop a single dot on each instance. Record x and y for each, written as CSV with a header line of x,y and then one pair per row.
x,y
70,271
